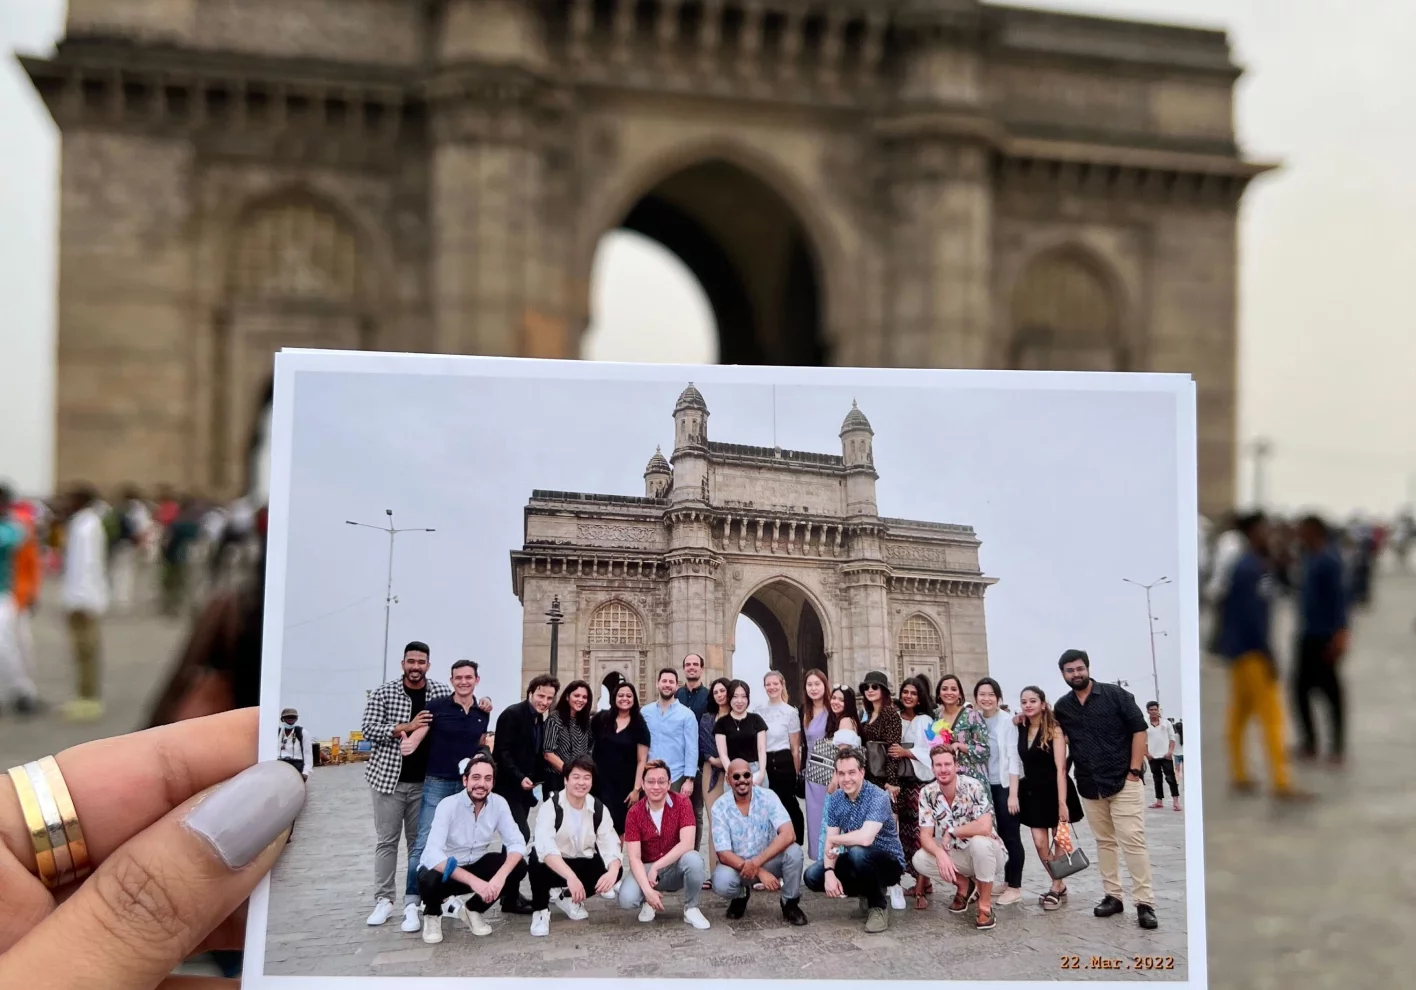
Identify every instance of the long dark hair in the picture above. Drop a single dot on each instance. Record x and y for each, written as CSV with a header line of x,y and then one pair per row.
x,y
849,709
727,683
582,718
886,701
1047,722
606,719
806,716
921,685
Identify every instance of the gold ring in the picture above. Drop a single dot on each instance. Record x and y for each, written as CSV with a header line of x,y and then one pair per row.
x,y
60,851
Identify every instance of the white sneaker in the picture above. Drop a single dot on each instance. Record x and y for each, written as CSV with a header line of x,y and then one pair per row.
x,y
432,929
694,917
411,921
474,921
573,911
382,911
646,913
541,923
897,898
613,892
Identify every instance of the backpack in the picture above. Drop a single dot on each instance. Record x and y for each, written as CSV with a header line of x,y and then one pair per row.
x,y
597,812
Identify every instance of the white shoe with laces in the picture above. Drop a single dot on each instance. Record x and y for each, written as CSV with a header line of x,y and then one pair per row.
x,y
541,923
411,921
897,898
383,910
573,911
694,917
474,921
432,929
646,913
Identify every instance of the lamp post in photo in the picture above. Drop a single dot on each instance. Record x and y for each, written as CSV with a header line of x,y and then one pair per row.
x,y
392,532
554,618
1150,625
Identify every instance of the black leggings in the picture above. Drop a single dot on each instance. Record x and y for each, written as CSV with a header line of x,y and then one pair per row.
x,y
782,781
1008,831
1315,672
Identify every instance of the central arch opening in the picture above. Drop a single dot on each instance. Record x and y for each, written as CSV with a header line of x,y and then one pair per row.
x,y
710,242
791,638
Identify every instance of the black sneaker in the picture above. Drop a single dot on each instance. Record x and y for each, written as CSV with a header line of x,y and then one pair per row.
x,y
1145,917
737,907
792,913
1109,906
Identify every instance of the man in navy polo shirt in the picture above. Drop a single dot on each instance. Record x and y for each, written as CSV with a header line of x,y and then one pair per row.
x,y
457,732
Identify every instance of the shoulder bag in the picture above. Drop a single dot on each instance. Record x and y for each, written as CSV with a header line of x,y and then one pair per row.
x,y
1067,857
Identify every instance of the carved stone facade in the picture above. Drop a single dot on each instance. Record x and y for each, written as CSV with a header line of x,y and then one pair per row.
x,y
792,540
940,183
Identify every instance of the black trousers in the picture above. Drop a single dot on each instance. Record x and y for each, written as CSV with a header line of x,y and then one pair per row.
x,y
1315,672
587,869
864,871
697,802
782,781
521,804
1163,770
1008,831
434,889
298,765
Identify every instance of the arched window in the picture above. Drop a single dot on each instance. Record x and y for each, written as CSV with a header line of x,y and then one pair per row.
x,y
615,624
1065,317
296,251
918,637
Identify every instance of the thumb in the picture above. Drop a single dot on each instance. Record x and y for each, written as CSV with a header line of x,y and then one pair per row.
x,y
150,903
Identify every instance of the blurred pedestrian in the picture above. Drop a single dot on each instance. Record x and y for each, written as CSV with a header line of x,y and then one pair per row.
x,y
1322,637
86,600
16,685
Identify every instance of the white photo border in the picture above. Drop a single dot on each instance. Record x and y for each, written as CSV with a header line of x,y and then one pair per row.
x,y
292,364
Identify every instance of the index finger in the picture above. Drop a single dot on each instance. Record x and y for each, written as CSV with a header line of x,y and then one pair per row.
x,y
122,785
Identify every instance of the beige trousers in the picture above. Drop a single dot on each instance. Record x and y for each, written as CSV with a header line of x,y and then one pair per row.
x,y
982,858
1120,821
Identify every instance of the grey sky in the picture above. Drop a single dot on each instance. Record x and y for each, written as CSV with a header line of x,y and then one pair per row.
x,y
1326,292
1070,493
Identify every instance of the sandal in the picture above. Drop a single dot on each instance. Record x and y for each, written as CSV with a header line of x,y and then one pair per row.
x,y
923,888
962,901
985,919
1052,900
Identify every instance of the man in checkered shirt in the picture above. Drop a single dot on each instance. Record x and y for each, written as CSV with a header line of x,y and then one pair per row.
x,y
395,710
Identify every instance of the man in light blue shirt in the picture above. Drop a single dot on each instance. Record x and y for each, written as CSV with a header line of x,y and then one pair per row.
x,y
673,733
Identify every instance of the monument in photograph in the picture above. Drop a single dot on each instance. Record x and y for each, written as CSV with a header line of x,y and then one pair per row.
x,y
791,539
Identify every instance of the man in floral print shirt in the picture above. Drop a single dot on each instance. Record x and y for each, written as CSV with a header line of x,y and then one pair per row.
x,y
957,839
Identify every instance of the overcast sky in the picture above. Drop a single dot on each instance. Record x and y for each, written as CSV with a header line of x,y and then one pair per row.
x,y
1069,491
1327,253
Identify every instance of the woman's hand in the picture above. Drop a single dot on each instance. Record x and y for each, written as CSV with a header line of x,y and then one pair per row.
x,y
1013,806
898,752
1062,815
180,828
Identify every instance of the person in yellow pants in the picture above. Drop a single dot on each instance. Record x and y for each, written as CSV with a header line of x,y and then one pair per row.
x,y
1253,675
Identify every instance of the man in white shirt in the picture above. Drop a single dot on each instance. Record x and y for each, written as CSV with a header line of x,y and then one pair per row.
x,y
1160,753
456,859
575,845
294,743
85,596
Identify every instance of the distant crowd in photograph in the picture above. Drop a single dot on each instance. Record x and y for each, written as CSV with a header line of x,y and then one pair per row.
x,y
882,793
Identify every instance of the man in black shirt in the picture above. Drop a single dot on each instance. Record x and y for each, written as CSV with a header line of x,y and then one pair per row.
x,y
696,696
520,738
1106,738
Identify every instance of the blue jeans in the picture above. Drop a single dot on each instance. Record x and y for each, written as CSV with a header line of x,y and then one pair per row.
x,y
434,790
864,871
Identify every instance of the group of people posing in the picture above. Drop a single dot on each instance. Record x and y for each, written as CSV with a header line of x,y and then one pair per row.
x,y
872,800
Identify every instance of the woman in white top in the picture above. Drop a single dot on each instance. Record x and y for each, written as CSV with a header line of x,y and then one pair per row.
x,y
912,752
783,748
1005,766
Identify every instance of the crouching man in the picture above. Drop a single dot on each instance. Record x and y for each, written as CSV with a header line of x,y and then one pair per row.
x,y
456,860
957,841
575,847
659,842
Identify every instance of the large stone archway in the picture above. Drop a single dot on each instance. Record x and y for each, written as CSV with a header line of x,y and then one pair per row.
x,y
854,182
791,539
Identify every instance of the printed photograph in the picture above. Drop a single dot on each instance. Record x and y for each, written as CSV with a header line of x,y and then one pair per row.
x,y
714,673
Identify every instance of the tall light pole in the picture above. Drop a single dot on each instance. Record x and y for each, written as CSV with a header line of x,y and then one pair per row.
x,y
388,590
554,618
1263,449
1150,625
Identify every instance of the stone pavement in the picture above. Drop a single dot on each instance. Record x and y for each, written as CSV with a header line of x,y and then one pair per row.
x,y
321,893
1274,918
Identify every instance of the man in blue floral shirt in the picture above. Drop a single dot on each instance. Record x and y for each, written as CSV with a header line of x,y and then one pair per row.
x,y
756,843
863,857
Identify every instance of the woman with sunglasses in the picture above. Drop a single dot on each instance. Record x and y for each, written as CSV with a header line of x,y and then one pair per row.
x,y
883,727
967,727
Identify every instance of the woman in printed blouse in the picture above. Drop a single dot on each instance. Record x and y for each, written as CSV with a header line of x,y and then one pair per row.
x,y
567,733
915,713
966,725
881,725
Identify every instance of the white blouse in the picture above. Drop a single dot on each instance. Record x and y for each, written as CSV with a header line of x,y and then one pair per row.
x,y
782,720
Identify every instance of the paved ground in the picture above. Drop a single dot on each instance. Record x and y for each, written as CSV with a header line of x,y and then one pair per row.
x,y
1275,919
317,923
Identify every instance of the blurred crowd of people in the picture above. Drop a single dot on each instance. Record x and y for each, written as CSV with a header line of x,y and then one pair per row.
x,y
134,554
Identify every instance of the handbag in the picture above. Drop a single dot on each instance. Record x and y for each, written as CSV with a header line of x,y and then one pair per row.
x,y
820,762
877,758
906,773
1067,857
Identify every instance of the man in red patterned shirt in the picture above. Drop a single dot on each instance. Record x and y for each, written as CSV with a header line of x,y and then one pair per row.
x,y
659,842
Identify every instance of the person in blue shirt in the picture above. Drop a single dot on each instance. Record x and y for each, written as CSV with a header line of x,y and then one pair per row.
x,y
1253,673
673,733
1322,635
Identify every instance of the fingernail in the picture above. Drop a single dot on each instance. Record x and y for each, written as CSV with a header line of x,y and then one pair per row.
x,y
249,811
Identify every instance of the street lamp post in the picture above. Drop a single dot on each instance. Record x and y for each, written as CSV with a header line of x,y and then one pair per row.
x,y
388,588
554,618
1150,625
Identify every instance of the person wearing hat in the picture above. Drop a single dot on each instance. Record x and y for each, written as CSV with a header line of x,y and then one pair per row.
x,y
294,745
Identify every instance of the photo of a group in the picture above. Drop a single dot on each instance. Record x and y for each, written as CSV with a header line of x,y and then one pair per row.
x,y
719,673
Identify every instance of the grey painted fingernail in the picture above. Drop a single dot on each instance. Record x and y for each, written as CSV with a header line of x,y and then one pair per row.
x,y
248,812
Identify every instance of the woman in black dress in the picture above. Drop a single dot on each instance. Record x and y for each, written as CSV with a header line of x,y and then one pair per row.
x,y
1046,794
619,743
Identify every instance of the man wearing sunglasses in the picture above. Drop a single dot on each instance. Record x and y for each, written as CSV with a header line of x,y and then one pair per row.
x,y
755,843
